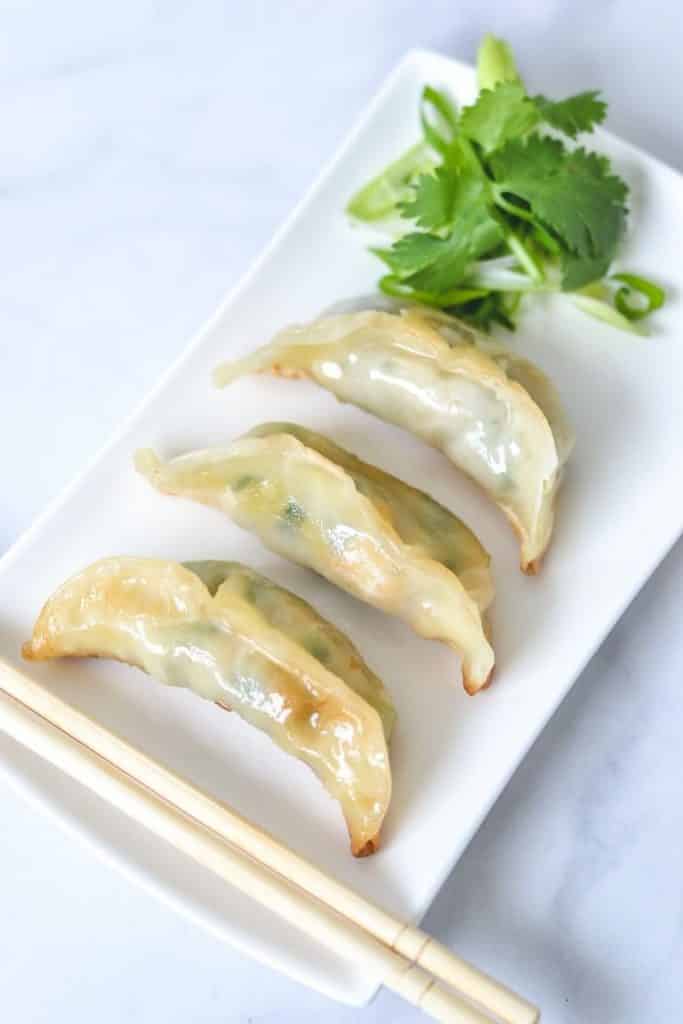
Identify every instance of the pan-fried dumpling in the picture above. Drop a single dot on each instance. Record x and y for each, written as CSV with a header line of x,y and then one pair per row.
x,y
495,416
301,622
360,528
203,628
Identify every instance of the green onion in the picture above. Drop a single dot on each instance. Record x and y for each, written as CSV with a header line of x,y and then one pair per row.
x,y
495,63
524,257
397,289
439,120
382,195
651,296
601,310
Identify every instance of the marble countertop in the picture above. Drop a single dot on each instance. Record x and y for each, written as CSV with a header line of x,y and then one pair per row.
x,y
147,153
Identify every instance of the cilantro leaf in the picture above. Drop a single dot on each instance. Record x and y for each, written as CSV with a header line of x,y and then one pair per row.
x,y
572,193
522,160
474,234
431,205
430,263
500,114
576,114
412,253
598,198
578,271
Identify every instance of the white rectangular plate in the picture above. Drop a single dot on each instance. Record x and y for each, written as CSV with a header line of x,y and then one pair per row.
x,y
620,511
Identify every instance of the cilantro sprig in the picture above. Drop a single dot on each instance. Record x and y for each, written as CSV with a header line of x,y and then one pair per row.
x,y
499,200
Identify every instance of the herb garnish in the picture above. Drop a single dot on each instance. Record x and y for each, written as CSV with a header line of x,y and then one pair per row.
x,y
497,201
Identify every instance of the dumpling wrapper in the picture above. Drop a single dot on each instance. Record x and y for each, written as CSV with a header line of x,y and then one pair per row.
x,y
494,415
362,529
300,621
163,618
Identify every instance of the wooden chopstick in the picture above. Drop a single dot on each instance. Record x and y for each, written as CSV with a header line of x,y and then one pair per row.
x,y
344,920
190,837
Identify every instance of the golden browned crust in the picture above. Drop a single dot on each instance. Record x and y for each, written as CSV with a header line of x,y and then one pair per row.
x,y
471,689
368,848
288,371
47,651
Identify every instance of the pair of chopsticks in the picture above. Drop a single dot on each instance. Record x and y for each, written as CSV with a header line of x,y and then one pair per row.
x,y
405,959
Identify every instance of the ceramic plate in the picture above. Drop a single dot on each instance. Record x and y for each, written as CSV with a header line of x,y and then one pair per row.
x,y
619,512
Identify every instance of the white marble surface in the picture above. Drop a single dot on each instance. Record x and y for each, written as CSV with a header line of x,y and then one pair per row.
x,y
147,152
